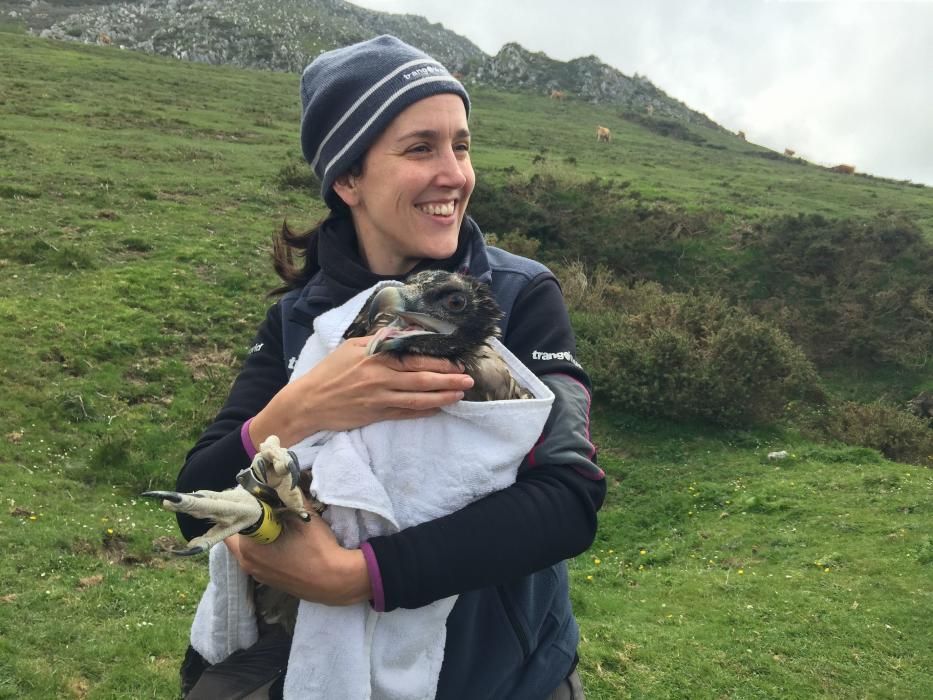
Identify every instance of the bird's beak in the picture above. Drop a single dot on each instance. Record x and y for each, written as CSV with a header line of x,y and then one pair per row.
x,y
390,303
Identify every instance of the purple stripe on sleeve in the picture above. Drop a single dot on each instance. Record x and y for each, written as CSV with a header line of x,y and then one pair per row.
x,y
247,440
375,578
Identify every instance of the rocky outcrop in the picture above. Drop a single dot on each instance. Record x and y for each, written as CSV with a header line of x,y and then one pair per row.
x,y
586,78
285,35
281,35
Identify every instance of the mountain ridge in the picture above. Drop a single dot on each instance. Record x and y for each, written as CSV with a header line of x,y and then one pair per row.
x,y
287,35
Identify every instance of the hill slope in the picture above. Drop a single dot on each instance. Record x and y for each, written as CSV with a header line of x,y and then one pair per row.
x,y
137,198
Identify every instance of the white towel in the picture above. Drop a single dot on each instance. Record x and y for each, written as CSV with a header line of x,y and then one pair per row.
x,y
380,479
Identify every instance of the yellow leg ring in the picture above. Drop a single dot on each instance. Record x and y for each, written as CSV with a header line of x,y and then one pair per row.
x,y
267,529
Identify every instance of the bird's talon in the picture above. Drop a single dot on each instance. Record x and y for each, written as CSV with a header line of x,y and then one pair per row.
x,y
260,468
190,552
171,496
293,468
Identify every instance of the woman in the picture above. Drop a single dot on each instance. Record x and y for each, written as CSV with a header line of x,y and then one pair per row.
x,y
385,129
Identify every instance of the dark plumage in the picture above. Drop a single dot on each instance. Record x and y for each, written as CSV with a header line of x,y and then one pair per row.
x,y
441,314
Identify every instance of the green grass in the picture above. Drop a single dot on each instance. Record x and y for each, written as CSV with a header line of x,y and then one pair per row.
x,y
718,573
137,200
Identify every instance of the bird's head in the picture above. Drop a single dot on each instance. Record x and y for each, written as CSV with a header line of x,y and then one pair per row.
x,y
436,313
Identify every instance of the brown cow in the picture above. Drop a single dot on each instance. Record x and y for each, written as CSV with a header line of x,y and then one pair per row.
x,y
104,39
789,152
740,134
558,95
603,134
844,169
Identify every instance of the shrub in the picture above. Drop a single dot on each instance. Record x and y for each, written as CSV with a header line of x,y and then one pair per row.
x,y
599,222
845,289
514,242
297,176
671,128
584,291
898,435
685,356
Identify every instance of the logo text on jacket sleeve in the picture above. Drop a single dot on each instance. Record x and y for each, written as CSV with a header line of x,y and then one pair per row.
x,y
538,355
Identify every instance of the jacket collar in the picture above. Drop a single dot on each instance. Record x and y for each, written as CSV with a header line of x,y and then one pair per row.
x,y
341,273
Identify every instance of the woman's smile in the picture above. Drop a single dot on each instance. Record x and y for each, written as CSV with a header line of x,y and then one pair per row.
x,y
410,200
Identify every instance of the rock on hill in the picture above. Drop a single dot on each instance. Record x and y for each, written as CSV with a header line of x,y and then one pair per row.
x,y
285,35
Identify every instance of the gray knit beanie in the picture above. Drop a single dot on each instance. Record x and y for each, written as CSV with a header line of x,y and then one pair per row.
x,y
350,95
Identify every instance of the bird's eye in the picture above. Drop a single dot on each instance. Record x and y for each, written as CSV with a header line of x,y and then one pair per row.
x,y
456,301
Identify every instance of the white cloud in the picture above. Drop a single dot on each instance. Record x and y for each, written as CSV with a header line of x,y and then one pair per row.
x,y
841,81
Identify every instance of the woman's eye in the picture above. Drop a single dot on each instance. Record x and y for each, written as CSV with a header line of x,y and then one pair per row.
x,y
456,302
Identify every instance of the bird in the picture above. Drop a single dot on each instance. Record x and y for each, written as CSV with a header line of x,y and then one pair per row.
x,y
446,315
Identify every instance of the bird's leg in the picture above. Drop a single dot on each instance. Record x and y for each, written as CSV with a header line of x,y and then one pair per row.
x,y
274,476
231,511
270,487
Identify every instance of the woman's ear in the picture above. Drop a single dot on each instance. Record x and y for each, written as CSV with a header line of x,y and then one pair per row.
x,y
346,189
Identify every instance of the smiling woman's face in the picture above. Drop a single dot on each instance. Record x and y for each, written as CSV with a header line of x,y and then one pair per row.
x,y
412,195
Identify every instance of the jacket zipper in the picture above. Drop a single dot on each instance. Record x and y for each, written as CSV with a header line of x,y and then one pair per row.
x,y
513,620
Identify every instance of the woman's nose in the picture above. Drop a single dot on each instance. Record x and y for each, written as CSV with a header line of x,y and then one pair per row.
x,y
451,169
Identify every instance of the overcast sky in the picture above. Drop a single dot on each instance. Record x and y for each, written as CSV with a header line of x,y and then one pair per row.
x,y
838,81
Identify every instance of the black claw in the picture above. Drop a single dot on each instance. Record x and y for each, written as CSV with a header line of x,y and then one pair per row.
x,y
293,468
172,496
261,466
190,552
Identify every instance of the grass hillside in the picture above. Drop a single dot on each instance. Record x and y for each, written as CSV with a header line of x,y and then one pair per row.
x,y
138,197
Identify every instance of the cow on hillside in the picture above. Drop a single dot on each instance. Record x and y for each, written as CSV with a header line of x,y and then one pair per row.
x,y
844,169
603,134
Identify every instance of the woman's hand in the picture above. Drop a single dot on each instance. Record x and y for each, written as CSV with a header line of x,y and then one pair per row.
x,y
349,389
307,562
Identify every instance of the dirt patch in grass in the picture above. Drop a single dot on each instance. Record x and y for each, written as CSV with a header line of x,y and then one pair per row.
x,y
205,364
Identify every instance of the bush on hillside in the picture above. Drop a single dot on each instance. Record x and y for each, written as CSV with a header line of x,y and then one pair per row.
x,y
515,242
688,356
600,222
898,435
672,128
297,175
845,289
584,291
